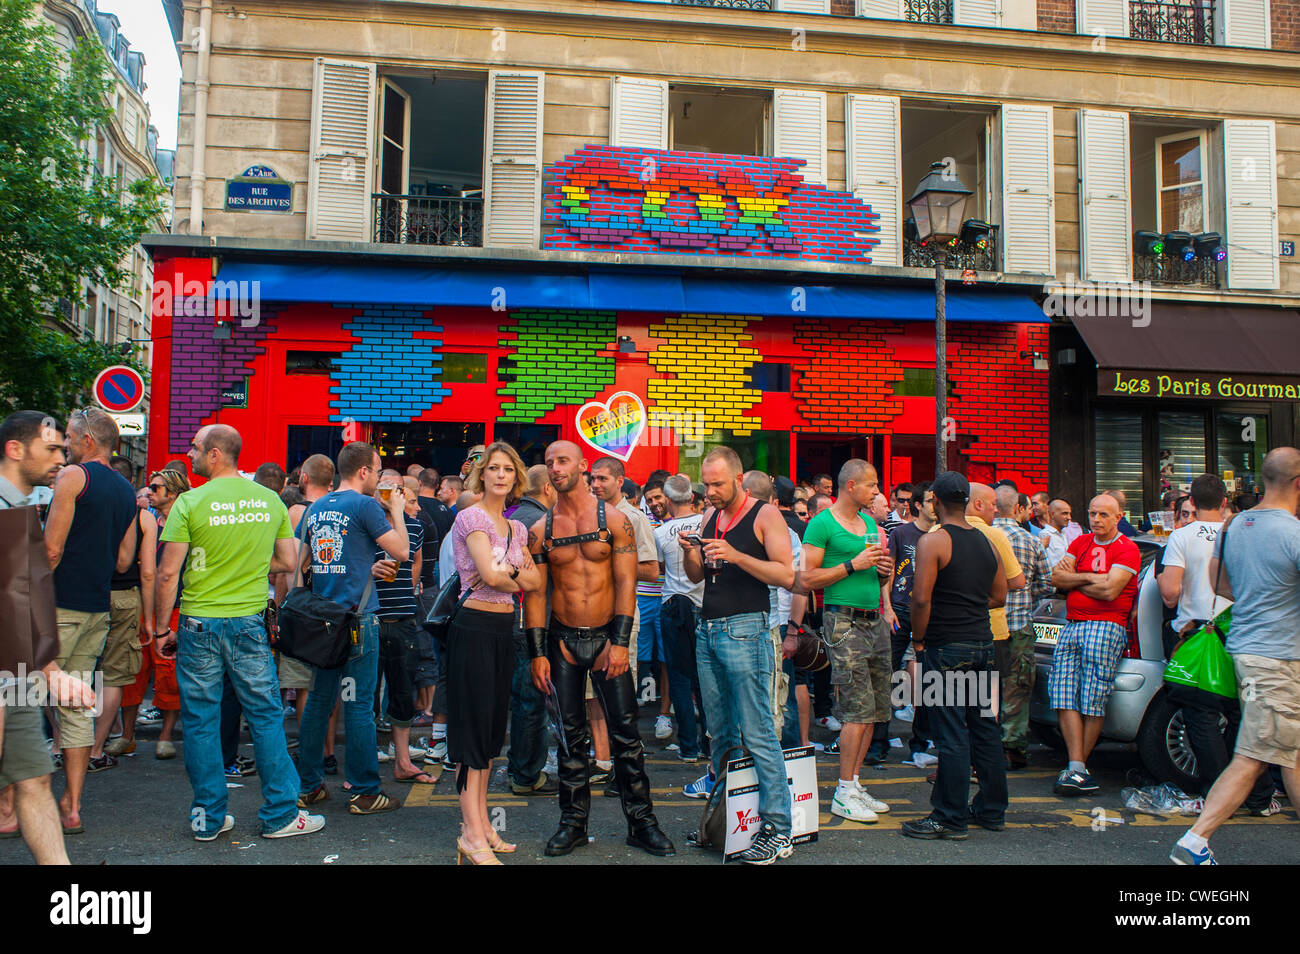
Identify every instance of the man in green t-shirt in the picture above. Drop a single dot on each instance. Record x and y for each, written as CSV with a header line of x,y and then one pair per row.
x,y
229,534
844,554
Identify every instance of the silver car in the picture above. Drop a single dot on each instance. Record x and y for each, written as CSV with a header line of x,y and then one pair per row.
x,y
1139,710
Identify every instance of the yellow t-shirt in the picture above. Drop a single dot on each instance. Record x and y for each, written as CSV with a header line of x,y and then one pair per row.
x,y
998,617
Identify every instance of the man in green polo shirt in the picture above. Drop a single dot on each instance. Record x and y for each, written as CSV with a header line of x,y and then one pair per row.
x,y
844,555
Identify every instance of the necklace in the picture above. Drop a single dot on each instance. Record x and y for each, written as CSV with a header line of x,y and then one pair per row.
x,y
722,531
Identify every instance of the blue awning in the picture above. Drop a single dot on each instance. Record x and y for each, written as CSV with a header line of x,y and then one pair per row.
x,y
622,291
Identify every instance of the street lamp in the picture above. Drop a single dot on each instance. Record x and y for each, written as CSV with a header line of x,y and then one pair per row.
x,y
939,207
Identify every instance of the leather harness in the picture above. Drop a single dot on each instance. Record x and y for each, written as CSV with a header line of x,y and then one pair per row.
x,y
601,534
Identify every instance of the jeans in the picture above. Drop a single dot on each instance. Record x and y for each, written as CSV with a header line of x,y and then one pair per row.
x,y
791,735
677,621
357,678
209,650
1213,746
650,643
902,638
528,736
230,716
966,737
738,681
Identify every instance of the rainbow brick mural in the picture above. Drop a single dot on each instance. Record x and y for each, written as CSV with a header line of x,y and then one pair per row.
x,y
559,357
655,200
709,388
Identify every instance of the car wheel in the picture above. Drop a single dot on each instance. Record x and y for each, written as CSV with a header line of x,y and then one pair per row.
x,y
1163,746
1048,735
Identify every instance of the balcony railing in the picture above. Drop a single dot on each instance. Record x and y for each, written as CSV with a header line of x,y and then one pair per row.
x,y
427,220
733,4
963,255
1190,21
1164,270
928,11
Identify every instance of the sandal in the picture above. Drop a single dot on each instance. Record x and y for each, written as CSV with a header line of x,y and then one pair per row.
x,y
419,778
498,845
480,856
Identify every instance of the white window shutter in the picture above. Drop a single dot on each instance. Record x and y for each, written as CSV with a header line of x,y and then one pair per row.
x,y
1105,202
880,9
342,137
638,112
1245,23
799,130
803,6
1101,17
1250,193
985,13
513,187
1028,232
871,141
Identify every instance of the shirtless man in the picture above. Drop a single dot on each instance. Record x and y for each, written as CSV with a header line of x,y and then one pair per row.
x,y
590,553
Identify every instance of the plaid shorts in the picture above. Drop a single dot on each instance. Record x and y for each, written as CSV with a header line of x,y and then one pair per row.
x,y
1083,665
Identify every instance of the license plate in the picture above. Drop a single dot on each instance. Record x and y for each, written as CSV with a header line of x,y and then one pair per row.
x,y
1046,634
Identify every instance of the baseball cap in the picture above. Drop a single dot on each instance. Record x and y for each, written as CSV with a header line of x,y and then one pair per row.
x,y
951,487
784,488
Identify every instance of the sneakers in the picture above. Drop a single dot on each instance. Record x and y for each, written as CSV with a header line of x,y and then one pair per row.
x,y
412,751
849,805
875,804
228,824
663,727
304,824
383,756
829,722
545,785
107,761
1182,855
702,787
927,827
689,757
599,776
1072,784
149,716
165,750
768,846
435,750
311,798
1272,808
922,760
833,748
905,714
241,767
372,804
120,747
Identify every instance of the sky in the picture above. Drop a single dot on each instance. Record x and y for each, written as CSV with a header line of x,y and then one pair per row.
x,y
145,25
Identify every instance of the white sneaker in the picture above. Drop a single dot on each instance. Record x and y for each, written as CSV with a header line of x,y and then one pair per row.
x,y
304,824
434,751
228,824
905,714
852,807
412,751
922,760
875,804
552,766
830,722
383,755
663,727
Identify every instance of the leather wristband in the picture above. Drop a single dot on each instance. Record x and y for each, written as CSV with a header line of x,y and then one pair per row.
x,y
621,631
849,568
535,637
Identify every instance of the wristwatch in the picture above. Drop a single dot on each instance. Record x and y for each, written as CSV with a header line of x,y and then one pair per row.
x,y
514,573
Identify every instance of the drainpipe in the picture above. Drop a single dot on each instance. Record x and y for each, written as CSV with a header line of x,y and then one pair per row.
x,y
198,170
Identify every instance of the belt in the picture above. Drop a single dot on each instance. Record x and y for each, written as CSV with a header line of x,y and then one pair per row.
x,y
580,632
852,611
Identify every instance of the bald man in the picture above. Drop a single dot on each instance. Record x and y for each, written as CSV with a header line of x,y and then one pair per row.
x,y
588,551
1099,575
981,512
1052,536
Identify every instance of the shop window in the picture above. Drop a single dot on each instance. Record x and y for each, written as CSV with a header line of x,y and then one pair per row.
x,y
1181,449
307,439
464,368
768,451
440,444
919,382
1242,441
770,376
310,362
1118,440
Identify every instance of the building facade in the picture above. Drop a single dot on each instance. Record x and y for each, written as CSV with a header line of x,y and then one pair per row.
x,y
653,230
126,148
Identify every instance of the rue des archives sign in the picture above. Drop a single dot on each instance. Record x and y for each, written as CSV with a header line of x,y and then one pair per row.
x,y
1204,386
259,189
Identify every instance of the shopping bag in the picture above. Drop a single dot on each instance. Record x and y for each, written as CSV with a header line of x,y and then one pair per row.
x,y
29,628
1202,662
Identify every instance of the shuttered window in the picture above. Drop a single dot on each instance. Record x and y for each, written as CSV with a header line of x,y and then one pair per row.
x,y
799,130
985,13
1250,188
513,190
1118,444
1101,17
803,6
872,131
1245,23
1028,226
1105,209
880,9
638,113
342,133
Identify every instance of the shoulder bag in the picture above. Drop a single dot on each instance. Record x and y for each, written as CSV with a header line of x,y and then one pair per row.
x,y
316,630
448,601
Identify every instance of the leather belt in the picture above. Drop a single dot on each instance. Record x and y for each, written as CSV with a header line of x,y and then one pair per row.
x,y
852,611
580,632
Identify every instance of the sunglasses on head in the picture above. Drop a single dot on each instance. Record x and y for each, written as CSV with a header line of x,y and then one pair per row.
x,y
473,458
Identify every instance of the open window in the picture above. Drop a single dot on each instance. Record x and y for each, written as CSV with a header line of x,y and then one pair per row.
x,y
722,121
1177,202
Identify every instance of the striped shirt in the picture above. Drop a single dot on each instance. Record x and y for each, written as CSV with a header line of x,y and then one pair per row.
x,y
397,597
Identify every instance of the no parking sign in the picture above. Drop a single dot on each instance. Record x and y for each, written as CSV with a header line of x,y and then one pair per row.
x,y
119,389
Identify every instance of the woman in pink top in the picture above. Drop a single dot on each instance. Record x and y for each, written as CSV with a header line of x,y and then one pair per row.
x,y
491,556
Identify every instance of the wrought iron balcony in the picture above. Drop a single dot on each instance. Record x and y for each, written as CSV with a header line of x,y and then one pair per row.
x,y
1182,21
427,220
733,4
1163,269
963,255
928,11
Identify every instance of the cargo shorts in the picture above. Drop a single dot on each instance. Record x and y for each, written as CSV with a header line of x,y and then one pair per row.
x,y
1270,709
861,666
123,655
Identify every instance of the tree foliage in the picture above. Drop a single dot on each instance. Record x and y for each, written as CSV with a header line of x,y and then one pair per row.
x,y
61,218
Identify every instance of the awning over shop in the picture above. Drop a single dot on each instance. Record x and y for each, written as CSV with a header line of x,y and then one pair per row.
x,y
621,291
1200,352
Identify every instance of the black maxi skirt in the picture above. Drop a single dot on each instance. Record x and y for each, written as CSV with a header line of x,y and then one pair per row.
x,y
480,666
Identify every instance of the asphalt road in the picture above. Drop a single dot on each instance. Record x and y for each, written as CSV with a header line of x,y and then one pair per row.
x,y
138,813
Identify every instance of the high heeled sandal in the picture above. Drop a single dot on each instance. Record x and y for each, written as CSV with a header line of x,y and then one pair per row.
x,y
475,855
499,846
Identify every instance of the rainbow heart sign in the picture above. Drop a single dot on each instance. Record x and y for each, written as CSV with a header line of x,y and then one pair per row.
x,y
614,426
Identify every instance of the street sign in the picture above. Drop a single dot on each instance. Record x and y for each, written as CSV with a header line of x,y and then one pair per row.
x,y
119,389
129,425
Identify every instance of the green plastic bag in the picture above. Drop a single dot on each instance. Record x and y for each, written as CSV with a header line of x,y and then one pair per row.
x,y
1202,662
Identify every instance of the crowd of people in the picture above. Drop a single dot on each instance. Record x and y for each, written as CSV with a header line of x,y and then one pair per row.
x,y
571,581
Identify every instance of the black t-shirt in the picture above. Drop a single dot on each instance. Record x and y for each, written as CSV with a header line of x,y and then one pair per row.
x,y
794,523
440,517
902,548
959,603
